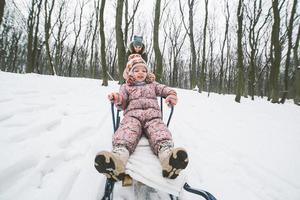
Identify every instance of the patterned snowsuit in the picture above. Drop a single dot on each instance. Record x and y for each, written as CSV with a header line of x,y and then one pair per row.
x,y
142,115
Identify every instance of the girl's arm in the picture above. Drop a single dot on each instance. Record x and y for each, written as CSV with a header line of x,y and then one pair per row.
x,y
166,92
120,98
124,95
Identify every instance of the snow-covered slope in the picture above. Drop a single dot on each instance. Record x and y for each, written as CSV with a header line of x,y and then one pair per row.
x,y
52,127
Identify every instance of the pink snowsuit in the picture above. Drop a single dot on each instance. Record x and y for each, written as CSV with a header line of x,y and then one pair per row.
x,y
142,115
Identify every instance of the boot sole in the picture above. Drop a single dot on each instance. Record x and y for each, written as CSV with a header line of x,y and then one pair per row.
x,y
108,165
177,162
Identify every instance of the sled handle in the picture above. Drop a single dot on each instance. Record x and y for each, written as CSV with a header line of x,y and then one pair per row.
x,y
162,112
202,193
170,116
116,119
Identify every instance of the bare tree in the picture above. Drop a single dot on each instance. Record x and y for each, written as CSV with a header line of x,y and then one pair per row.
x,y
289,50
297,69
48,15
203,63
111,52
240,75
60,38
96,22
254,15
190,32
275,53
37,44
2,5
102,40
158,55
14,50
176,39
129,19
82,52
77,33
31,23
295,48
221,78
120,39
297,87
211,72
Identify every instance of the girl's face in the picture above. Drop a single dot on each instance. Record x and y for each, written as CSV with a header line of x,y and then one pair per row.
x,y
139,73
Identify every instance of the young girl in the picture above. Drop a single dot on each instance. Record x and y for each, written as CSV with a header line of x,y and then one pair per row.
x,y
142,115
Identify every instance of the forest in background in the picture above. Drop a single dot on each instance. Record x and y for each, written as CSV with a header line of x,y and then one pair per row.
x,y
252,52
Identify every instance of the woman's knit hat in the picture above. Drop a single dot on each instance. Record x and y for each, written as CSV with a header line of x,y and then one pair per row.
x,y
138,40
134,60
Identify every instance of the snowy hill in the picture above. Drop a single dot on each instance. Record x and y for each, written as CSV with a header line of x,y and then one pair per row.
x,y
52,127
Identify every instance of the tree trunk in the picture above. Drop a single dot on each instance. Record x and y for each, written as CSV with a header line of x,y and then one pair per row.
x,y
48,15
295,48
77,33
297,86
92,64
253,15
211,64
35,38
59,41
2,5
15,50
102,39
240,68
297,69
30,27
119,39
190,32
289,51
192,42
221,78
203,65
276,58
158,56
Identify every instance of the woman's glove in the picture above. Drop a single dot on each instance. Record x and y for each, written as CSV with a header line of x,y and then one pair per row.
x,y
116,98
171,100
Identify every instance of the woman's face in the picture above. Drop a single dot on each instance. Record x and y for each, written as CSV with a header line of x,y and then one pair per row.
x,y
139,73
137,48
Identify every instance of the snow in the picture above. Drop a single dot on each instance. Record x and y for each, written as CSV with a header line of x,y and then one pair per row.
x,y
51,128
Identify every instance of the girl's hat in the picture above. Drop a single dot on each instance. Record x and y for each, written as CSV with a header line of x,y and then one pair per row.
x,y
134,60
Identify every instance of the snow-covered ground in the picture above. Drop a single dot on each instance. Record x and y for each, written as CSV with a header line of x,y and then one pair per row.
x,y
52,127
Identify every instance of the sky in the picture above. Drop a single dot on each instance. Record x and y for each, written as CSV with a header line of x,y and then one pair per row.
x,y
144,13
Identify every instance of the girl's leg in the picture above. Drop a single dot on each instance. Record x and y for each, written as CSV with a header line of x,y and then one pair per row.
x,y
158,133
173,160
128,134
112,164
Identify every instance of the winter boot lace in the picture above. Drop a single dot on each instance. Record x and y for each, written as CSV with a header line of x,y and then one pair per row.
x,y
112,164
172,160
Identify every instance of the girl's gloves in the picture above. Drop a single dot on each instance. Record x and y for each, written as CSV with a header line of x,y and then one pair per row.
x,y
130,80
171,100
150,77
116,98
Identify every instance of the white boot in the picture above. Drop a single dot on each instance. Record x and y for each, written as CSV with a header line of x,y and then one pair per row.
x,y
172,160
112,164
